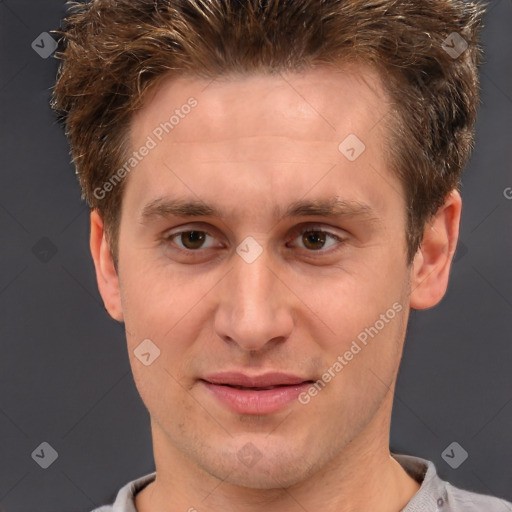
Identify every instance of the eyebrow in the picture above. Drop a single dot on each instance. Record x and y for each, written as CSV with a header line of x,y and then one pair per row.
x,y
163,207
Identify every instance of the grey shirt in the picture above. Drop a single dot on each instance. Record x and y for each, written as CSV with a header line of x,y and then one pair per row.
x,y
434,495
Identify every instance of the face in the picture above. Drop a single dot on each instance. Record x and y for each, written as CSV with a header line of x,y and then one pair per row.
x,y
288,269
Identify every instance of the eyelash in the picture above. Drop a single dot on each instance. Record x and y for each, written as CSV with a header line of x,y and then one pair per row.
x,y
297,233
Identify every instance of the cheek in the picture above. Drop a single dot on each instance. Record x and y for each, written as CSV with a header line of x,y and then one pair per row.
x,y
364,297
171,310
160,391
362,362
154,301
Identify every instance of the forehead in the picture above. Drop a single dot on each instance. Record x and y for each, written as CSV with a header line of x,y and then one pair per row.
x,y
275,134
306,105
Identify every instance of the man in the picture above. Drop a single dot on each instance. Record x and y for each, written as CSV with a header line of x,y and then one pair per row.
x,y
273,186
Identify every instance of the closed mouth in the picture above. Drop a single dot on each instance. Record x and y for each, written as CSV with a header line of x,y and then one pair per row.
x,y
258,388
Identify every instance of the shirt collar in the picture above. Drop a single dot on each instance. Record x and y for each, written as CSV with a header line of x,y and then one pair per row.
x,y
431,494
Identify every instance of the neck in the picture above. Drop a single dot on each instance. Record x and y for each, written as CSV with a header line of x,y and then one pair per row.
x,y
364,477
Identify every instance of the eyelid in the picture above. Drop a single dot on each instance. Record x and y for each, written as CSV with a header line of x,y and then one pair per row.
x,y
209,230
305,227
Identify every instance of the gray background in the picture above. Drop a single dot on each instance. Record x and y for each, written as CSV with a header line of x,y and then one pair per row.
x,y
65,376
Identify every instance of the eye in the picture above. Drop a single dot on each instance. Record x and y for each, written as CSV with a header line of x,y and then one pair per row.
x,y
314,238
190,240
311,239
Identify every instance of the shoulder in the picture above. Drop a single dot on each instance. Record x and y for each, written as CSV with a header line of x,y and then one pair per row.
x,y
124,501
437,494
460,500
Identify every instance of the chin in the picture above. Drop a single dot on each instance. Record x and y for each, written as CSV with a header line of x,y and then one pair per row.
x,y
267,467
267,476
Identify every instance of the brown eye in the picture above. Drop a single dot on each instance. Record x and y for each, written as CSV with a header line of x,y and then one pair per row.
x,y
314,240
192,239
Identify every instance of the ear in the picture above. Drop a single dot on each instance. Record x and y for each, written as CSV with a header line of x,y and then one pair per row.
x,y
432,262
106,274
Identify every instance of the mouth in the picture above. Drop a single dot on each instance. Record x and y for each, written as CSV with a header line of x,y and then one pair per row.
x,y
258,388
268,380
263,394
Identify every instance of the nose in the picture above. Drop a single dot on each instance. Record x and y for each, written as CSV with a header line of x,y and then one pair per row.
x,y
255,308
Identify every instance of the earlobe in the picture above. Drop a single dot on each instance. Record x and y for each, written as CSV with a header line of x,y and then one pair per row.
x,y
106,273
431,266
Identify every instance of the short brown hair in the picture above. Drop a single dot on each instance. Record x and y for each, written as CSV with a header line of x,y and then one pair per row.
x,y
113,51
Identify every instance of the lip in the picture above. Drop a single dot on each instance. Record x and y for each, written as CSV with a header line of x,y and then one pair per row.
x,y
254,381
246,398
